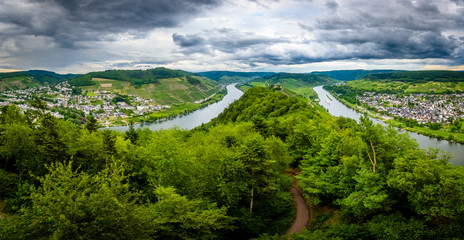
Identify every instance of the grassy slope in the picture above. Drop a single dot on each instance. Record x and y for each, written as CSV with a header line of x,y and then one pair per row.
x,y
175,92
167,91
14,83
32,78
299,83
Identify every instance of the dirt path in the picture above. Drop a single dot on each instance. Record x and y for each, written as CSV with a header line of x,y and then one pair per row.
x,y
303,215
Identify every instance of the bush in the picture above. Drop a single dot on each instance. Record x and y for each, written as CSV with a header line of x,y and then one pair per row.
x,y
8,184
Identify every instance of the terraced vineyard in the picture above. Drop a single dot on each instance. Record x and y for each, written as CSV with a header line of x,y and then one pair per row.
x,y
167,91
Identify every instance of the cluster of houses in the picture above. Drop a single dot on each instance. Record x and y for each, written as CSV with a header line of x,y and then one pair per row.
x,y
425,108
98,103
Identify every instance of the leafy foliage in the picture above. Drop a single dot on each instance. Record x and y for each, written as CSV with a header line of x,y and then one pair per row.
x,y
224,180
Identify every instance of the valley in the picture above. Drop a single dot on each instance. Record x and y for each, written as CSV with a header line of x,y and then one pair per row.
x,y
425,102
119,102
360,179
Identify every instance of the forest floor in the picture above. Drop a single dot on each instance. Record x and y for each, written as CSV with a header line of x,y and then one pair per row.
x,y
303,213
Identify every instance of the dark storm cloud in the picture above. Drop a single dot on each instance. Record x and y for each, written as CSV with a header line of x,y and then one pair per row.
x,y
364,29
224,40
391,43
71,21
186,41
332,5
369,30
401,29
458,1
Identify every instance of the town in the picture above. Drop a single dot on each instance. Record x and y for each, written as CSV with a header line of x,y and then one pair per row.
x,y
424,108
103,105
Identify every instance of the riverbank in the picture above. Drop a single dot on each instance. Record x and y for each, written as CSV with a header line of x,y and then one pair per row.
x,y
194,118
425,131
174,111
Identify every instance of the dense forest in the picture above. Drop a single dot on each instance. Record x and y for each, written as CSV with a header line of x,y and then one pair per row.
x,y
40,76
309,78
349,75
135,77
233,77
419,76
228,179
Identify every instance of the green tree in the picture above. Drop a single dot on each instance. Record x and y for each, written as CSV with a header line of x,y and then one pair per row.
x,y
39,104
434,189
176,217
132,134
17,146
73,205
92,124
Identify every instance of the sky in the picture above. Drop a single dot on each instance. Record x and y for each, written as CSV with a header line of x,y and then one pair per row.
x,y
80,36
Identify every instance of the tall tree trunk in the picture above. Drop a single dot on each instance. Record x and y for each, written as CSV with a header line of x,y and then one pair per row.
x,y
373,161
251,200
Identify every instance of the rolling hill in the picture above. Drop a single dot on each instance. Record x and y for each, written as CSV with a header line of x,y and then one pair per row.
x,y
164,85
408,82
31,78
349,75
301,78
232,77
293,83
419,76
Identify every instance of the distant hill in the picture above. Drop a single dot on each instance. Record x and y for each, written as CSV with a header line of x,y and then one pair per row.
x,y
429,82
136,77
231,77
420,76
349,75
307,78
164,85
31,78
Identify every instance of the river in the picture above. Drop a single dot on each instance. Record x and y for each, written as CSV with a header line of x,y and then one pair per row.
x,y
336,108
195,118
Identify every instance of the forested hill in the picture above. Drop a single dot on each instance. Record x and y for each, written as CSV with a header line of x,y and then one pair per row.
x,y
364,181
428,82
31,78
419,76
307,78
261,103
225,180
349,75
231,77
135,77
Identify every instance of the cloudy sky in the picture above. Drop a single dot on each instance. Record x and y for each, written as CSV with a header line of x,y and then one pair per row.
x,y
79,36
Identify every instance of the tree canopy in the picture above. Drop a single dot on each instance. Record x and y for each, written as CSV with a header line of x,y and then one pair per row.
x,y
224,180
